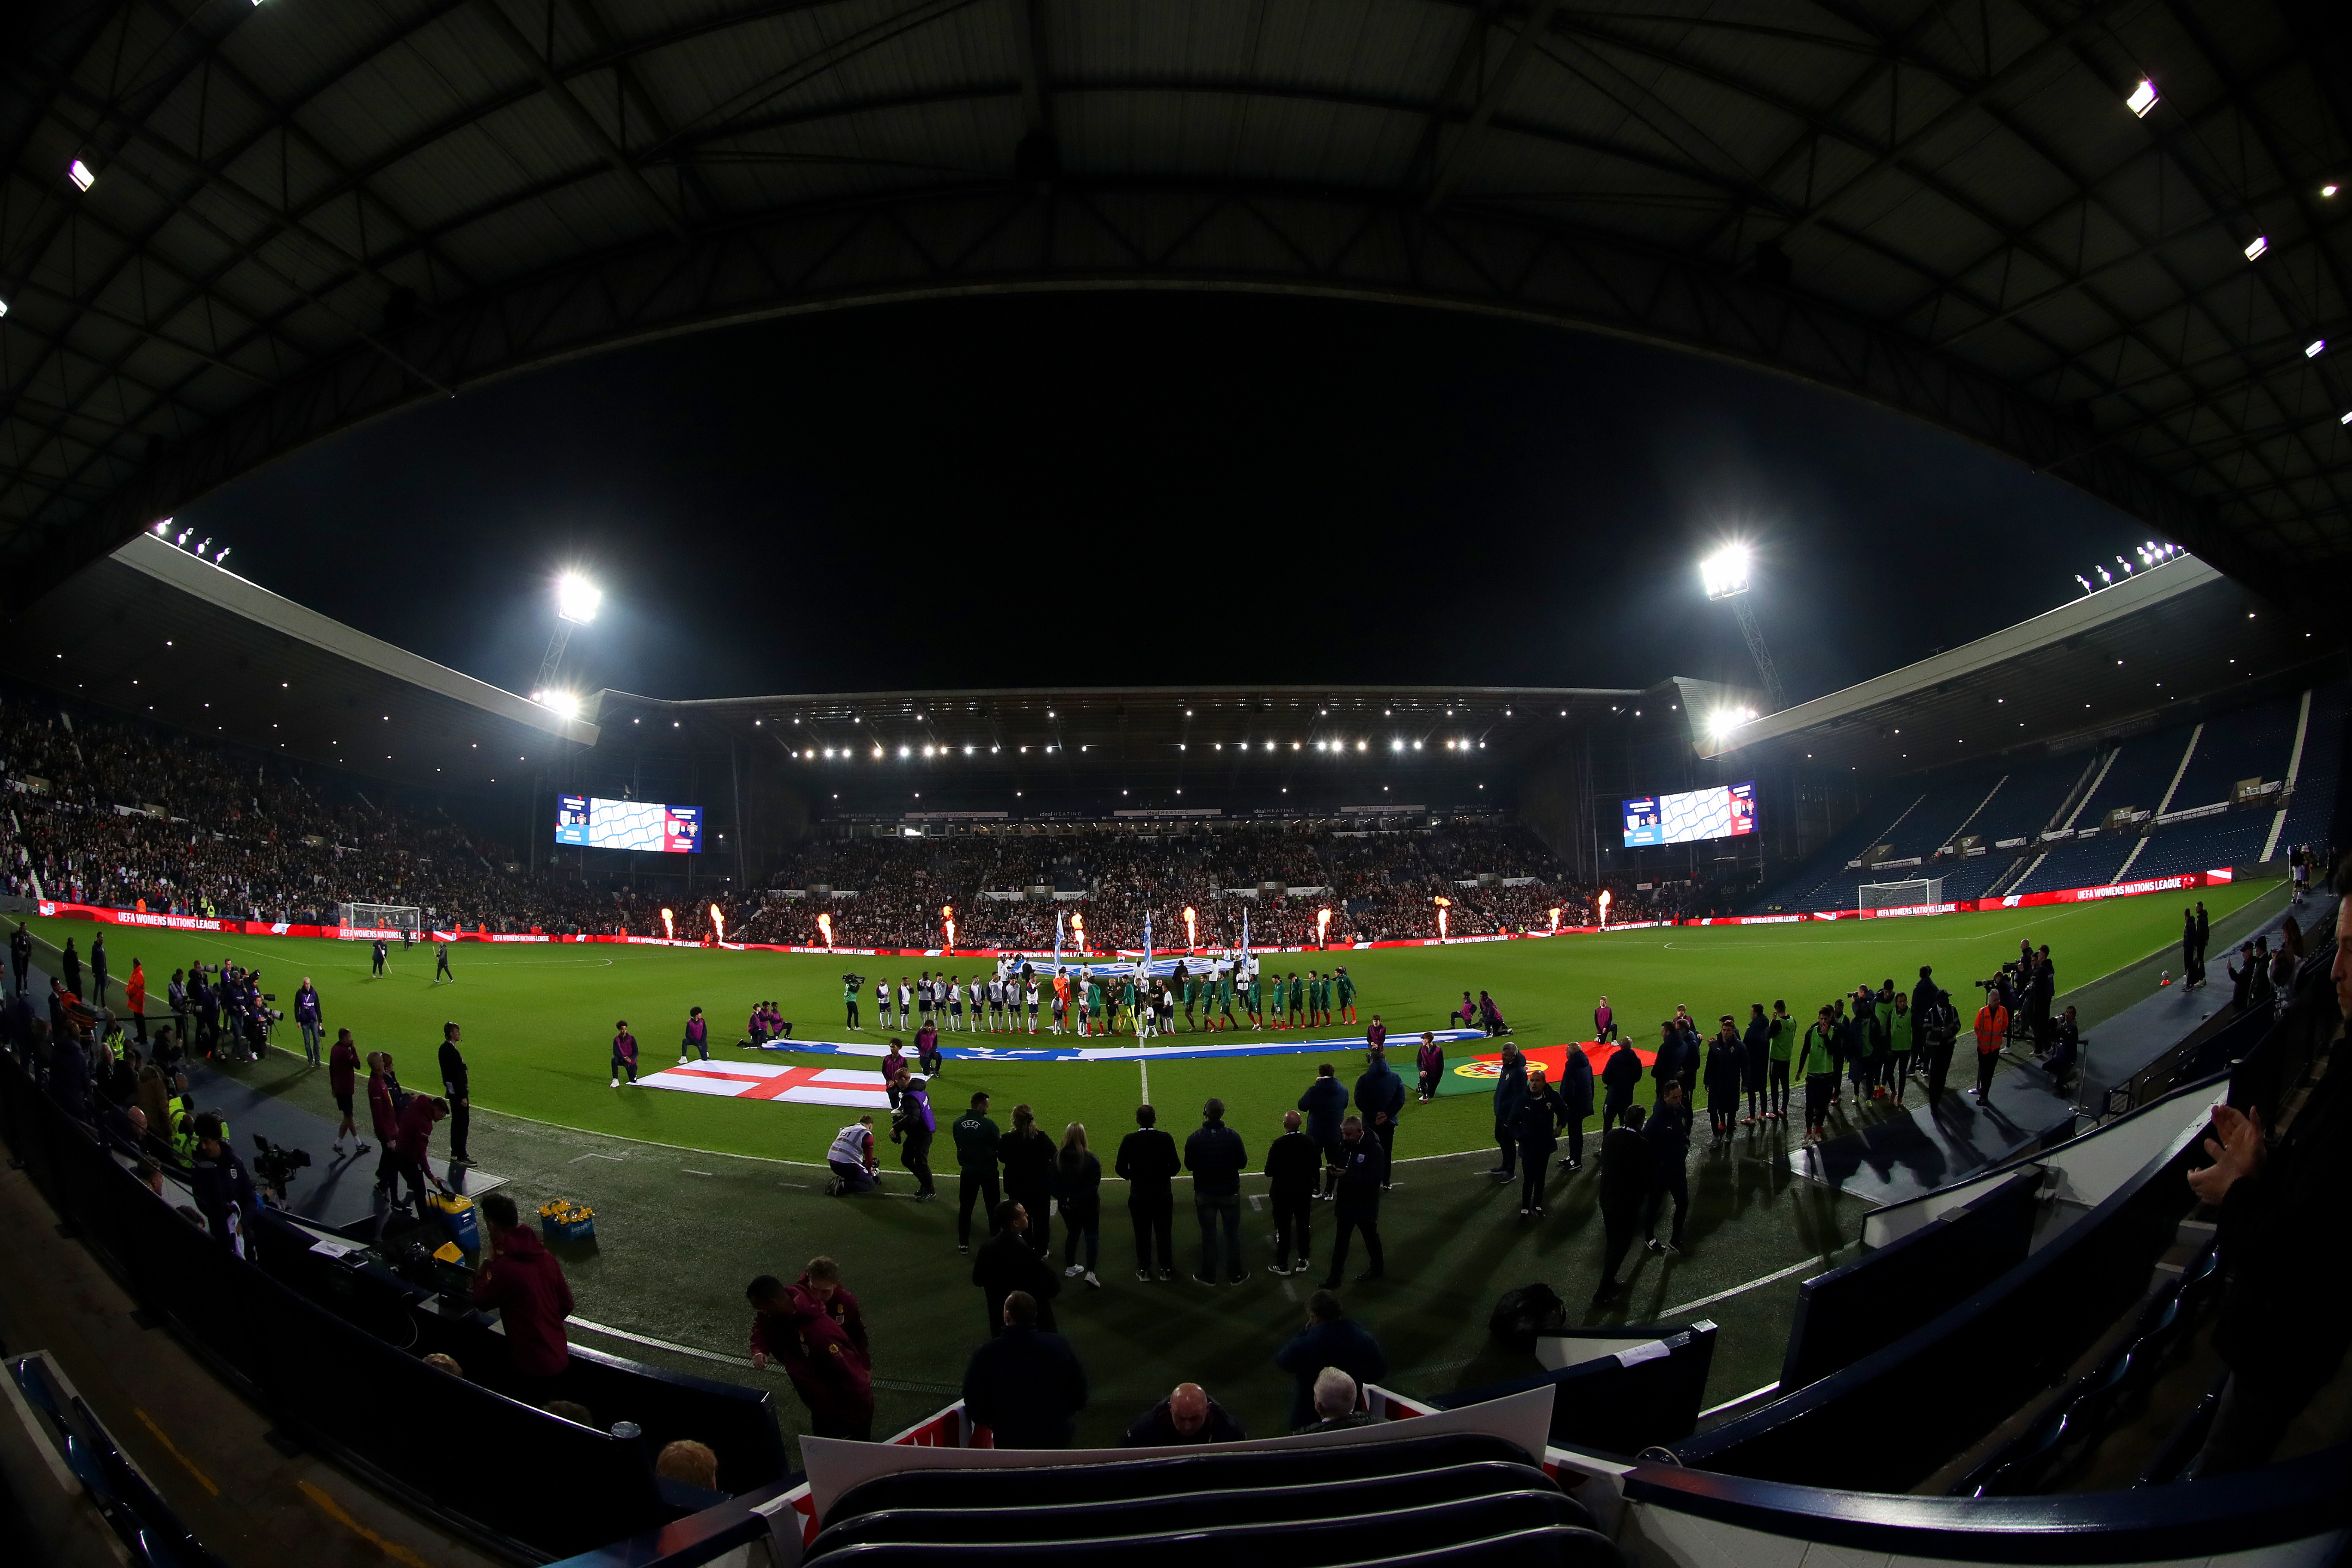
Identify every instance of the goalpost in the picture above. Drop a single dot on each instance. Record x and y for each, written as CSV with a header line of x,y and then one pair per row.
x,y
353,920
1902,895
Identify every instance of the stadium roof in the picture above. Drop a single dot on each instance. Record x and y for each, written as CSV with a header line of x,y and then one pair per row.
x,y
1155,735
232,230
155,632
2157,645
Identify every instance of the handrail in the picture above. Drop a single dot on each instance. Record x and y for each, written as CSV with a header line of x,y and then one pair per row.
x,y
2291,1501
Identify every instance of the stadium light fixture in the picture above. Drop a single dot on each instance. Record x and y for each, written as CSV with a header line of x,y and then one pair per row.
x,y
563,704
81,175
4,306
2315,347
2329,190
1725,572
2256,246
2143,98
577,599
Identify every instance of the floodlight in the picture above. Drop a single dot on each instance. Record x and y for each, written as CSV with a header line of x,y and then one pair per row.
x,y
164,526
1722,723
2256,246
2312,349
81,173
1725,572
2143,99
2328,190
562,704
577,599
4,306
2347,418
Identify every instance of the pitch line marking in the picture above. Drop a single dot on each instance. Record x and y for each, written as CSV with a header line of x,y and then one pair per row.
x,y
689,1171
1743,1290
740,1362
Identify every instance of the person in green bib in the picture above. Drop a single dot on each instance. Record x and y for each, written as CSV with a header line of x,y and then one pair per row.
x,y
1817,1064
1901,1040
1346,987
1225,1002
1783,1049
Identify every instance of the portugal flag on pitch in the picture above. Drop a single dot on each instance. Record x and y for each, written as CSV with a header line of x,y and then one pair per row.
x,y
1477,1075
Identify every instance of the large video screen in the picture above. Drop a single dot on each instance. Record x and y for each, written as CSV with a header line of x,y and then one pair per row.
x,y
1725,811
600,824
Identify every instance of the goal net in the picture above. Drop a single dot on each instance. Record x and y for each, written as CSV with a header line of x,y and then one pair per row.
x,y
361,922
1902,895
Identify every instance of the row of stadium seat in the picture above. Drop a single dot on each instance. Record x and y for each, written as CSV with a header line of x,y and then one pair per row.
x,y
1918,817
1457,1498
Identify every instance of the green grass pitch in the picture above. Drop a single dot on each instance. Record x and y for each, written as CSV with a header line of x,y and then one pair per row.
x,y
538,1019
680,1228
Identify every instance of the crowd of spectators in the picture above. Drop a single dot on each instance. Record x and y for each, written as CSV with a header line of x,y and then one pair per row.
x,y
103,811
1379,884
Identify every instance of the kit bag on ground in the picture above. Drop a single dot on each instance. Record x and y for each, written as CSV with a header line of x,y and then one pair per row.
x,y
1522,1314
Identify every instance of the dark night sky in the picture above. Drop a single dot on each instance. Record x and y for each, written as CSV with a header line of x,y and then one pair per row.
x,y
1156,489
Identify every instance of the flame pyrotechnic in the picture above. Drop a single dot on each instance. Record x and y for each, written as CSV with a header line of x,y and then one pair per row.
x,y
1555,919
1604,906
1442,905
1322,928
1191,938
717,924
947,918
1078,929
824,927
669,926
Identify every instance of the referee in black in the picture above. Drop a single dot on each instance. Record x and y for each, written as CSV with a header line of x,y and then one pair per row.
x,y
454,1085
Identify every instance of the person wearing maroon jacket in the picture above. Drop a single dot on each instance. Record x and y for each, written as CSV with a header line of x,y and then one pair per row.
x,y
816,1330
415,1144
384,1113
524,1282
342,1069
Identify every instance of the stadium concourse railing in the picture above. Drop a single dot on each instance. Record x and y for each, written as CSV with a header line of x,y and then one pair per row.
x,y
359,1391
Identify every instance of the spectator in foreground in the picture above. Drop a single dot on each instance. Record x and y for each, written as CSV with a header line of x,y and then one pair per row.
x,y
1334,1404
1331,1339
1293,1164
1026,1386
1006,1263
687,1475
524,1282
2282,1324
1079,1172
1362,1176
440,1362
1187,1415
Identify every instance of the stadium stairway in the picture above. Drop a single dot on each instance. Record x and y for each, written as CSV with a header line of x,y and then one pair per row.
x,y
1455,1497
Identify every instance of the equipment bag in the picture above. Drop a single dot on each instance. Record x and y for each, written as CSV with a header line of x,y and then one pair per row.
x,y
1522,1314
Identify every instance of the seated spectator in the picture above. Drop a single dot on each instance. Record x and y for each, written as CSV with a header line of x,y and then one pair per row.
x,y
1331,1339
686,1473
1187,1415
441,1362
1334,1404
151,1174
1024,1385
522,1279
